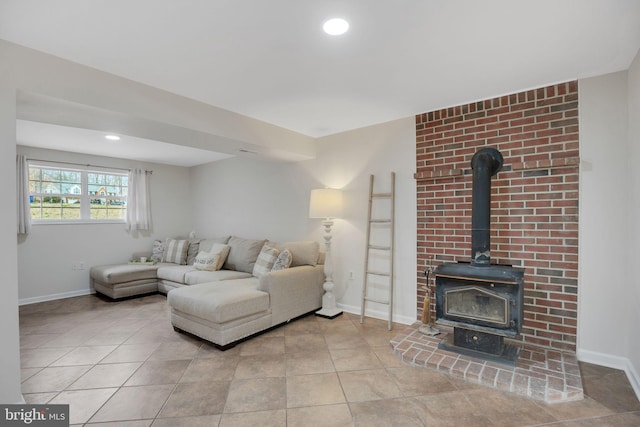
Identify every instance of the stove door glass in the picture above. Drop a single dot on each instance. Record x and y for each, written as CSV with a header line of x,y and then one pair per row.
x,y
472,303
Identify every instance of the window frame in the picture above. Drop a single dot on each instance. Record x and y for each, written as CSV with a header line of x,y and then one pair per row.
x,y
84,196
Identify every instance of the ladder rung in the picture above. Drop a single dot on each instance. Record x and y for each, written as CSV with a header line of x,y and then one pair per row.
x,y
378,300
380,248
378,273
381,221
381,195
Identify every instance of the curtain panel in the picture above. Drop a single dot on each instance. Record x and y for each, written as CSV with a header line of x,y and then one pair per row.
x,y
138,206
22,193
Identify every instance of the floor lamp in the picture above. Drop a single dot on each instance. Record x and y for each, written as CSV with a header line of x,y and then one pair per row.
x,y
326,203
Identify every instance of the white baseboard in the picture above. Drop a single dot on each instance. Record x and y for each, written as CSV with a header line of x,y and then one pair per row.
x,y
377,314
51,297
615,362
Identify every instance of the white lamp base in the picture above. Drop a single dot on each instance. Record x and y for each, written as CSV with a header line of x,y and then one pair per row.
x,y
329,309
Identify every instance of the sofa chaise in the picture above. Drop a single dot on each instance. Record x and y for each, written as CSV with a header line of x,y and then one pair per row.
x,y
226,289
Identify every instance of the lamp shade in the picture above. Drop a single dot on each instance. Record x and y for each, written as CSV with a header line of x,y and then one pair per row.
x,y
325,203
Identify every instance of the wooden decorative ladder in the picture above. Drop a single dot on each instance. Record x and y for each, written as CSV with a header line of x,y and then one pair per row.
x,y
384,248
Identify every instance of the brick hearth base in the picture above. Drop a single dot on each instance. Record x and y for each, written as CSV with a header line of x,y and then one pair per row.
x,y
540,373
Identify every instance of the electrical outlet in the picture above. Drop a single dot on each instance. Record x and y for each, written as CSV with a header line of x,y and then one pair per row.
x,y
74,266
81,265
351,275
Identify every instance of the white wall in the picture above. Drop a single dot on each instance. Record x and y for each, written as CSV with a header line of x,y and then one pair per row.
x,y
257,199
249,198
609,289
47,254
10,353
603,213
346,161
633,297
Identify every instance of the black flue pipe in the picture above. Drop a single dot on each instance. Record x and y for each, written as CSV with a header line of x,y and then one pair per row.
x,y
485,163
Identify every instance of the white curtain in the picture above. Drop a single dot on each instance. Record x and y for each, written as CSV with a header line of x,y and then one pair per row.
x,y
22,187
138,209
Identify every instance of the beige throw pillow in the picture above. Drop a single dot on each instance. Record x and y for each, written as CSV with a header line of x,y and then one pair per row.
x,y
303,252
213,259
207,261
207,244
243,254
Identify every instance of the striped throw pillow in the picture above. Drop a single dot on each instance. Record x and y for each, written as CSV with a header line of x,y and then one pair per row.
x,y
175,251
265,260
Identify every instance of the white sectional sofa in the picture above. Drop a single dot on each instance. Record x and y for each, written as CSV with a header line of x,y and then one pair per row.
x,y
229,304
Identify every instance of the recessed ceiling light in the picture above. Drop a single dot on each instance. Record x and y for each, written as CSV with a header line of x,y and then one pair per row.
x,y
112,137
335,26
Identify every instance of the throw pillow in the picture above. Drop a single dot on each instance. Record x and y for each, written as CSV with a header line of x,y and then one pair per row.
x,y
243,254
304,252
222,251
157,250
206,244
207,261
194,250
264,263
175,251
283,261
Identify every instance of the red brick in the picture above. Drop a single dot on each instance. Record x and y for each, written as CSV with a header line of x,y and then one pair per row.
x,y
534,220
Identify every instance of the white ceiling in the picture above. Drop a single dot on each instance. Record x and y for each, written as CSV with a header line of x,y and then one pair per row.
x,y
271,61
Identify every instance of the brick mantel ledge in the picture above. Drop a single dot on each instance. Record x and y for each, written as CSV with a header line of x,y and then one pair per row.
x,y
530,165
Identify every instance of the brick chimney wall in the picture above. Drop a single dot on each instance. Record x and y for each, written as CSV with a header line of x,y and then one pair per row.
x,y
534,200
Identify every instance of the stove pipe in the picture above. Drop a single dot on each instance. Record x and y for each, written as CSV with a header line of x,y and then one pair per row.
x,y
485,163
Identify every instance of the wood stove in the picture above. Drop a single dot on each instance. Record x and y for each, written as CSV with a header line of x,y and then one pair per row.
x,y
482,301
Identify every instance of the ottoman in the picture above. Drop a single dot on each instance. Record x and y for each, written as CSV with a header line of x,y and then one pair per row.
x,y
223,312
118,281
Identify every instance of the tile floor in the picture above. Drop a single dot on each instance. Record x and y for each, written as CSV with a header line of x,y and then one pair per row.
x,y
121,364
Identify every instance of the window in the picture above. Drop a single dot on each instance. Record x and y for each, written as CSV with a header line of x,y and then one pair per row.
x,y
76,194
